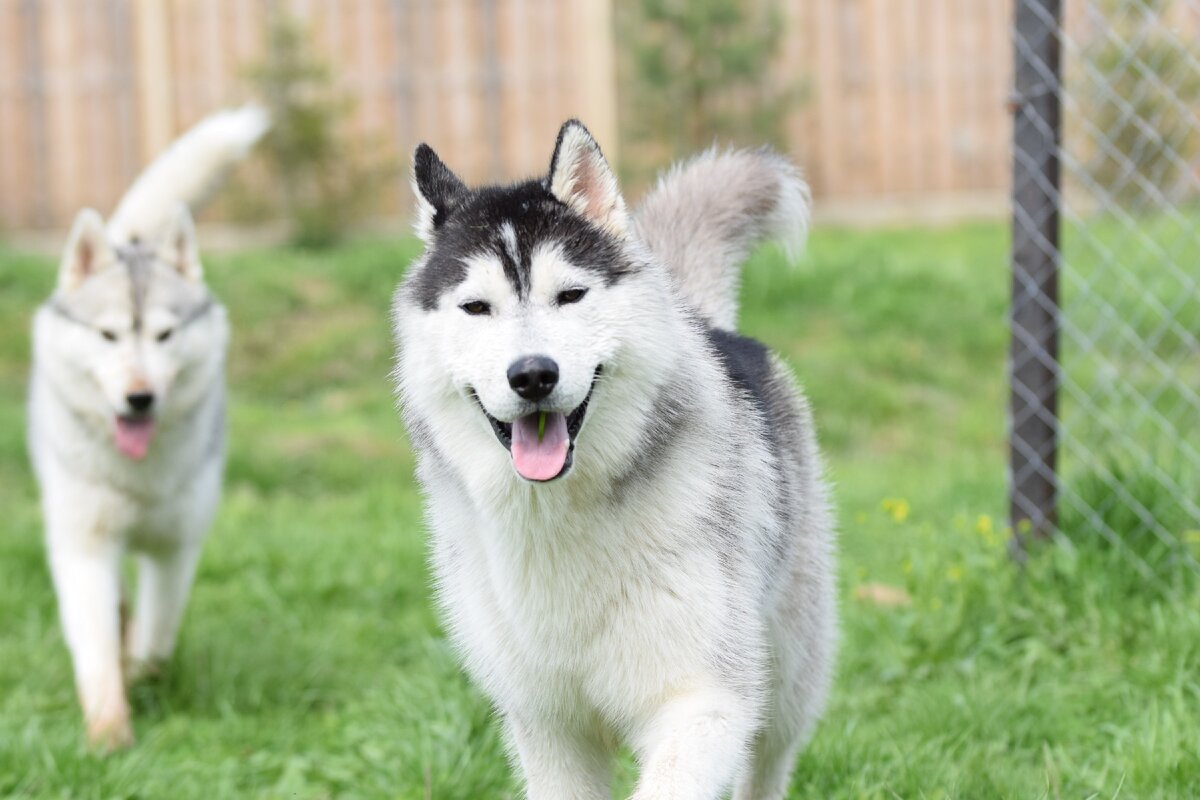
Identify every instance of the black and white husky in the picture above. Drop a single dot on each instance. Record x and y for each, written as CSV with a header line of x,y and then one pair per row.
x,y
631,536
126,416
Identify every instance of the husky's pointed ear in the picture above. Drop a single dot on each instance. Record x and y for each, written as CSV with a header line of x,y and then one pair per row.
x,y
582,178
88,250
438,191
178,246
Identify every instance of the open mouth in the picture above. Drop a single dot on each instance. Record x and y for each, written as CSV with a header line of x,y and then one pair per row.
x,y
133,433
542,443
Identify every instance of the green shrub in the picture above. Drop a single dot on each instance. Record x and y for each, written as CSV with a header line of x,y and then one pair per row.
x,y
1144,109
702,71
325,180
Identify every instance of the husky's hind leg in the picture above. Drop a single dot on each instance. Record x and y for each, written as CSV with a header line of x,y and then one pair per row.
x,y
164,581
803,634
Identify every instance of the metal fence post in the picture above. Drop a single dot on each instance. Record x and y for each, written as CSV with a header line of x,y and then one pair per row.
x,y
1033,443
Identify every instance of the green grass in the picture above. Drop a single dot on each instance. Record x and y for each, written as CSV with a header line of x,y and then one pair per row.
x,y
312,664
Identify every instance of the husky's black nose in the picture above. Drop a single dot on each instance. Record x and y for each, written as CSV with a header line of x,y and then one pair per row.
x,y
140,401
533,377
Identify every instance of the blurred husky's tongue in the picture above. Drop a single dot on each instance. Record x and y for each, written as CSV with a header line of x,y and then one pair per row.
x,y
539,455
133,436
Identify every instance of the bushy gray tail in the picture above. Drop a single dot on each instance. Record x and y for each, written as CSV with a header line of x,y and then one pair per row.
x,y
706,215
187,172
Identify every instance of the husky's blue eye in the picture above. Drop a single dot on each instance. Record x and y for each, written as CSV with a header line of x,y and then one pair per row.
x,y
109,336
571,296
476,308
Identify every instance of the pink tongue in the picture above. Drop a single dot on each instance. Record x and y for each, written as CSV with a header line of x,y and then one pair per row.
x,y
133,436
540,460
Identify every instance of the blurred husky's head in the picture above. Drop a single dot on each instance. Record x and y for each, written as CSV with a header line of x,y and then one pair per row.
x,y
131,336
531,303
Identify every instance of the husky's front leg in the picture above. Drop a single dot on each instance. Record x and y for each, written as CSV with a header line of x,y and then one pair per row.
x,y
560,764
87,581
164,582
695,746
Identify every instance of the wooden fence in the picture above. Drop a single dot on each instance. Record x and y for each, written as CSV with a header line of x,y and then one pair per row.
x,y
91,89
906,98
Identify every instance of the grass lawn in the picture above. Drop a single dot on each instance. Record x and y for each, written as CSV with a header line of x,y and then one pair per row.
x,y
311,664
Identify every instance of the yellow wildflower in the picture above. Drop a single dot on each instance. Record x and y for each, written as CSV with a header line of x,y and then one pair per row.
x,y
954,574
896,508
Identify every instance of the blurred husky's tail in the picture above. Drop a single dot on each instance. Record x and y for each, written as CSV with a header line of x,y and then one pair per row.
x,y
706,215
187,172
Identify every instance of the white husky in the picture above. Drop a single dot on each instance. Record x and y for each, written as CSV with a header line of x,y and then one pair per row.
x,y
631,537
126,416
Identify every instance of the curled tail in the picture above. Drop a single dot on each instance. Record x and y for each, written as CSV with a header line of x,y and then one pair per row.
x,y
187,172
706,215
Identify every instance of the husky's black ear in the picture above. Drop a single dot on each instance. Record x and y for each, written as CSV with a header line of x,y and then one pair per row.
x,y
88,250
438,191
581,178
178,246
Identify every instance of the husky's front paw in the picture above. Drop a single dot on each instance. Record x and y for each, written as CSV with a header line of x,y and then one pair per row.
x,y
682,790
654,794
110,733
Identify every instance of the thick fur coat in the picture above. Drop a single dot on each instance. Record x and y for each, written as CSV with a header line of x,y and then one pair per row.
x,y
631,534
126,417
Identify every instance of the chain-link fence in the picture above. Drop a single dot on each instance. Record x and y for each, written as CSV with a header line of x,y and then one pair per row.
x,y
1105,362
